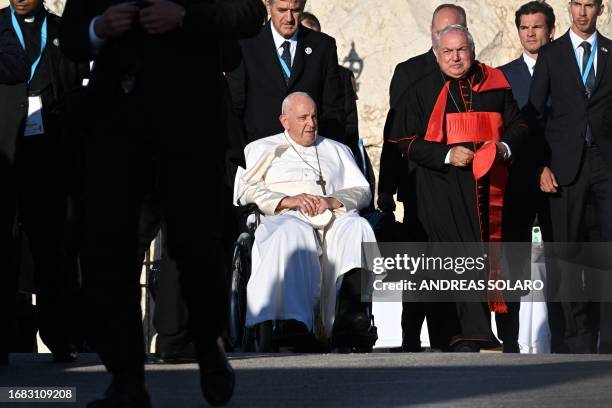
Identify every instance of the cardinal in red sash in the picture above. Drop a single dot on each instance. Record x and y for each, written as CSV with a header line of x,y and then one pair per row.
x,y
461,126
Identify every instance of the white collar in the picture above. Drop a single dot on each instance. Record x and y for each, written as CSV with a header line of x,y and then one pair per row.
x,y
576,40
299,146
279,39
530,61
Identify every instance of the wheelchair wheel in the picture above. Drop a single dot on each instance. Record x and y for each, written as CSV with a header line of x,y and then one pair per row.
x,y
263,337
238,336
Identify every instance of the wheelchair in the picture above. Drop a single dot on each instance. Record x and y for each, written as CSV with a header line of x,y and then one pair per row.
x,y
261,338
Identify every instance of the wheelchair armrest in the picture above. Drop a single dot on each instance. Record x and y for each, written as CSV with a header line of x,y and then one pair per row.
x,y
245,212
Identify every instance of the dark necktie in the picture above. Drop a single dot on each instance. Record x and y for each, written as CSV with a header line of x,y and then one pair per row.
x,y
590,82
286,57
589,85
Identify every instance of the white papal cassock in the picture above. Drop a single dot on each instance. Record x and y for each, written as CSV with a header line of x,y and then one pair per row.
x,y
298,261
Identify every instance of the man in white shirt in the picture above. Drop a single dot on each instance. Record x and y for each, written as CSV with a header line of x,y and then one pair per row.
x,y
304,61
571,93
307,251
525,203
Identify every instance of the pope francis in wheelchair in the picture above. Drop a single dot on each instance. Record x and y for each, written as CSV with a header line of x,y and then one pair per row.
x,y
306,276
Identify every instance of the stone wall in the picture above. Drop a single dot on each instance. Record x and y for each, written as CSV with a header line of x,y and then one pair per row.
x,y
388,32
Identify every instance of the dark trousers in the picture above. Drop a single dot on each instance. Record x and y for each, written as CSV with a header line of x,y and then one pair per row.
x,y
442,323
8,257
170,316
520,212
578,211
124,158
35,194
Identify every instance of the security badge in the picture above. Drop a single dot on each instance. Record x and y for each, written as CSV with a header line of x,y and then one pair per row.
x,y
34,122
308,50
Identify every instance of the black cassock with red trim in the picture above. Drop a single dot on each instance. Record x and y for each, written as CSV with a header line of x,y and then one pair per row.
x,y
461,204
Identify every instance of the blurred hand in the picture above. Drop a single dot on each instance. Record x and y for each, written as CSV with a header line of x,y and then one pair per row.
x,y
116,20
385,202
161,16
548,181
461,156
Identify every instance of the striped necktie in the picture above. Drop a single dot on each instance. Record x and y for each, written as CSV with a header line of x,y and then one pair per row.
x,y
589,85
286,57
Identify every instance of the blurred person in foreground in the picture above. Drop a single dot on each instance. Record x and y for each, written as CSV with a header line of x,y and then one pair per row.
x,y
151,59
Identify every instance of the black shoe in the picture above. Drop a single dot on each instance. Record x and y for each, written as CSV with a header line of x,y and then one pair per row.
x,y
65,354
186,355
511,347
123,396
466,347
354,333
290,333
410,347
217,378
290,328
353,329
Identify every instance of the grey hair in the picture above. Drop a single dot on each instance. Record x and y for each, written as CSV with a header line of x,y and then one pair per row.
x,y
270,2
290,97
455,27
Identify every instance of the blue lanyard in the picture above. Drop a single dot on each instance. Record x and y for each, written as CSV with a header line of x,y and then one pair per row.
x,y
43,40
285,67
587,69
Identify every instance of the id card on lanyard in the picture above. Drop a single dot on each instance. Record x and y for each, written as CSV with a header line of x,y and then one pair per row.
x,y
587,69
34,123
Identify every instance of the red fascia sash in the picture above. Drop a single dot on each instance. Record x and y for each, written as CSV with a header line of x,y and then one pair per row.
x,y
479,127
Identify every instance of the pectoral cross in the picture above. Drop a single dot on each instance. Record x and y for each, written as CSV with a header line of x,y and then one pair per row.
x,y
322,183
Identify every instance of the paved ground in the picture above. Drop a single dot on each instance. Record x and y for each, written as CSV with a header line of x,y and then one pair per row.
x,y
374,380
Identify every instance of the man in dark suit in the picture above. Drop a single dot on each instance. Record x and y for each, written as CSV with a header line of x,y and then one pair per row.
x,y
574,72
351,126
524,202
34,174
13,63
397,176
151,60
347,78
286,57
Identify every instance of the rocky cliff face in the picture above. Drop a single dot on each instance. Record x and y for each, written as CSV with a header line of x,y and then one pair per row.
x,y
385,33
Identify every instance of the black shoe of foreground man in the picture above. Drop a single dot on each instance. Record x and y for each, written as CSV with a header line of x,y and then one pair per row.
x,y
217,378
185,355
123,396
66,354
